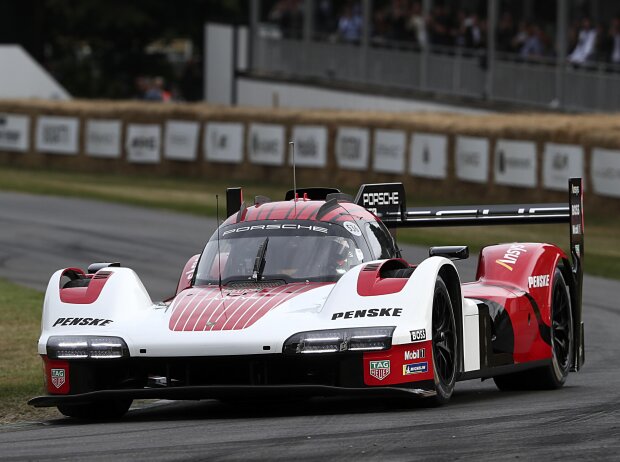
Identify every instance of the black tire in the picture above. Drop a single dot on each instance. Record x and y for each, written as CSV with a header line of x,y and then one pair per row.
x,y
445,343
553,376
98,410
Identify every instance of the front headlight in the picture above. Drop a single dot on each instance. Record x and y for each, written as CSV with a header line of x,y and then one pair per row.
x,y
340,340
86,347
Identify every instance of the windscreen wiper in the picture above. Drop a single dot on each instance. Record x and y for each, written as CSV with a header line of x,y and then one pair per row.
x,y
259,262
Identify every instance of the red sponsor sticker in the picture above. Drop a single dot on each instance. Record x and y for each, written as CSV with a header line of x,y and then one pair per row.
x,y
57,376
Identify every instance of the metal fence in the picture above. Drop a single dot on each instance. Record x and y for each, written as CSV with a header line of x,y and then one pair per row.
x,y
443,71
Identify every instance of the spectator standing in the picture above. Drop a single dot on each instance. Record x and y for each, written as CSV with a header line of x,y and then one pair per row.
x,y
472,32
614,36
416,25
440,26
350,25
154,91
516,45
505,32
288,14
586,44
398,20
325,18
533,46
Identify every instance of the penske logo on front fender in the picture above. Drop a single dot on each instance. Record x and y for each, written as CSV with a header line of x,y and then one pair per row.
x,y
82,322
371,313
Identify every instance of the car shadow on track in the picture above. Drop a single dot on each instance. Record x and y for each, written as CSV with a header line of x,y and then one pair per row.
x,y
273,408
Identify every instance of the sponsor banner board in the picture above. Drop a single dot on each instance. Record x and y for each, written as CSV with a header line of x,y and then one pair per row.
x,y
310,146
561,162
57,135
143,143
103,138
428,155
14,132
223,142
266,144
605,172
181,140
389,151
472,159
352,148
515,163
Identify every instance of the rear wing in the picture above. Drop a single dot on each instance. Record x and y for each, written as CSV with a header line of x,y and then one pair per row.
x,y
388,202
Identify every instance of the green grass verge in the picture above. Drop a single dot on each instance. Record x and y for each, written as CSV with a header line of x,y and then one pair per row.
x,y
197,196
21,370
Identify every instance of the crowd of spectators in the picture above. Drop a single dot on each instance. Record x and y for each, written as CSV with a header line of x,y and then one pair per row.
x,y
402,23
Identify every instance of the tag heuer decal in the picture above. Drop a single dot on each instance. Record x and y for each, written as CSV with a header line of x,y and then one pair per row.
x,y
58,377
380,369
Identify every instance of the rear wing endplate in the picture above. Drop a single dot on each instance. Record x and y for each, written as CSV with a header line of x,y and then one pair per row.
x,y
388,202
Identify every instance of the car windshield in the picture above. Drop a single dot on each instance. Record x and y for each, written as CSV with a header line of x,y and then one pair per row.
x,y
293,252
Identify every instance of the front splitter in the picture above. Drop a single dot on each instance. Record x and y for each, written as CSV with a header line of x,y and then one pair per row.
x,y
223,392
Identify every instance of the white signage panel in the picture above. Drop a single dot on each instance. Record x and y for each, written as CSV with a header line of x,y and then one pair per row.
x,y
143,143
515,163
103,138
57,135
266,144
472,159
389,149
352,148
561,162
605,172
14,132
428,155
181,140
310,146
223,142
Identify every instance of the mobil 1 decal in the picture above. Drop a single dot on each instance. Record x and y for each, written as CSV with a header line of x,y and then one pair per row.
x,y
419,353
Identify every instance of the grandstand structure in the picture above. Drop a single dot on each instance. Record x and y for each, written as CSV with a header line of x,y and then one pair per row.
x,y
484,73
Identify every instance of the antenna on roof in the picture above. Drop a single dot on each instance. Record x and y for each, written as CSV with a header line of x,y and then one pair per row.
x,y
219,255
292,143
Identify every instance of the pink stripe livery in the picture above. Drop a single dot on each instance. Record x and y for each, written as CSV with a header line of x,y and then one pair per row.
x,y
206,308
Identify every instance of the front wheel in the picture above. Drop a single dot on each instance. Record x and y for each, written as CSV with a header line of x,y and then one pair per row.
x,y
98,410
445,343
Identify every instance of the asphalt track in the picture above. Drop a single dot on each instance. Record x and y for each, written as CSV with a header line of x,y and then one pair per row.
x,y
581,421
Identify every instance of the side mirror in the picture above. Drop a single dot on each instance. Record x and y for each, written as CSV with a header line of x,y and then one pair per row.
x,y
453,252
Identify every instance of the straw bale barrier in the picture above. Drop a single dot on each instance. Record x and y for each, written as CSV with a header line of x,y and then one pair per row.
x,y
588,131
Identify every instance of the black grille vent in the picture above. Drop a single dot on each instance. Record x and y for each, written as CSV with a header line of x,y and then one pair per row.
x,y
102,275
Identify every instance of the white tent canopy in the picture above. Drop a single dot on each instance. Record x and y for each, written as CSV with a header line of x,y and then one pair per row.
x,y
22,77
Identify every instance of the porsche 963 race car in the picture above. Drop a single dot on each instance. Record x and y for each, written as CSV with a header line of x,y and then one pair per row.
x,y
310,297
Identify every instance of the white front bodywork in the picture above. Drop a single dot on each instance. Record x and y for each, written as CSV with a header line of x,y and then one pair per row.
x,y
145,326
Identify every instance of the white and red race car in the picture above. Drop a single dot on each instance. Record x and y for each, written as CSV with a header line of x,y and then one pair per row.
x,y
310,296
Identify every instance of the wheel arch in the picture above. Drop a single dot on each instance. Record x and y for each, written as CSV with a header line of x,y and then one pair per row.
x,y
451,278
565,267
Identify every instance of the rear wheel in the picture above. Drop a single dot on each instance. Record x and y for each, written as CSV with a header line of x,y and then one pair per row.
x,y
98,410
554,375
445,344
